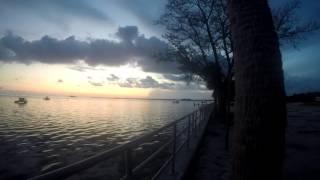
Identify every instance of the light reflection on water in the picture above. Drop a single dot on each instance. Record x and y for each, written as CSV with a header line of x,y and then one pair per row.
x,y
43,135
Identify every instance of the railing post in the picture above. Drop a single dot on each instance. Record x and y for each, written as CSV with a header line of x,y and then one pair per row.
x,y
202,114
128,163
188,131
173,167
195,123
192,123
205,113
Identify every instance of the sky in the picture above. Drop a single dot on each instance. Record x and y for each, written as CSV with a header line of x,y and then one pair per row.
x,y
82,47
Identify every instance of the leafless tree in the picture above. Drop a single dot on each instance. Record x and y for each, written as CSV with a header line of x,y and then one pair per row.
x,y
199,35
198,32
288,26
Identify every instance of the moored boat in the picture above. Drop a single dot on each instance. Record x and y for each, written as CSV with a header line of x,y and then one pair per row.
x,y
46,98
176,101
21,101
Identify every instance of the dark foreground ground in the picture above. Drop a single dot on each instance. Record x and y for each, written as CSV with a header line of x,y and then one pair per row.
x,y
302,149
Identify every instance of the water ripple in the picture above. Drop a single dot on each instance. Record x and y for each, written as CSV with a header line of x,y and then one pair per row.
x,y
44,135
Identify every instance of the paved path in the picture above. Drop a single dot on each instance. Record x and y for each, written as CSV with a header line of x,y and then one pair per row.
x,y
303,148
212,160
303,143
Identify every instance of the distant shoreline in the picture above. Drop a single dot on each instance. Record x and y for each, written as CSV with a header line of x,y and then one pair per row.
x,y
93,97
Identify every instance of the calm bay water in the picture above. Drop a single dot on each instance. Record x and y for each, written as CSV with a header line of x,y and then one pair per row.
x,y
43,135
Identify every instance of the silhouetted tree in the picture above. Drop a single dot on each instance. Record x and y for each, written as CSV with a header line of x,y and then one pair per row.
x,y
260,115
199,34
287,25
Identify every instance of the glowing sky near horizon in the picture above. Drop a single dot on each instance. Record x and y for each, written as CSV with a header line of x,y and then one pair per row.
x,y
94,81
60,79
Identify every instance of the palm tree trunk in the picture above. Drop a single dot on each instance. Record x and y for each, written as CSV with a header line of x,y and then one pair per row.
x,y
260,115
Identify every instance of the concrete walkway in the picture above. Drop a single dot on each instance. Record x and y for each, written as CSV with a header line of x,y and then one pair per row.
x,y
212,161
303,143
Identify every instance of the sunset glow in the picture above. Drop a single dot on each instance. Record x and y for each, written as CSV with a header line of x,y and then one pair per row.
x,y
61,79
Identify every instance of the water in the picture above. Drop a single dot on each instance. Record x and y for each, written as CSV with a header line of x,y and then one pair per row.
x,y
43,135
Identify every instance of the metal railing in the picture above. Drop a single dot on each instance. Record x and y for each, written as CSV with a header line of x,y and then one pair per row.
x,y
192,122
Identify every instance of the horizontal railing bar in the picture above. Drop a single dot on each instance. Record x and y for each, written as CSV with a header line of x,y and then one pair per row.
x,y
80,165
142,164
146,136
71,169
170,159
181,146
86,163
162,167
182,132
124,177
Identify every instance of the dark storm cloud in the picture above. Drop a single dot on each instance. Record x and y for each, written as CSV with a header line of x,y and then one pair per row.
x,y
147,82
96,83
131,48
6,53
182,83
82,68
113,78
78,68
129,83
48,9
174,77
128,34
152,46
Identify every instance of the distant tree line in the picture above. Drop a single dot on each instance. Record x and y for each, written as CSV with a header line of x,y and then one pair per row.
x,y
303,97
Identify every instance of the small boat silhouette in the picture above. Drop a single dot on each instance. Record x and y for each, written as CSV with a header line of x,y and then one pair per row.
x,y
46,98
176,101
21,101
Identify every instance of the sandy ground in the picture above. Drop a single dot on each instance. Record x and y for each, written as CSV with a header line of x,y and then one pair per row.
x,y
303,143
302,148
